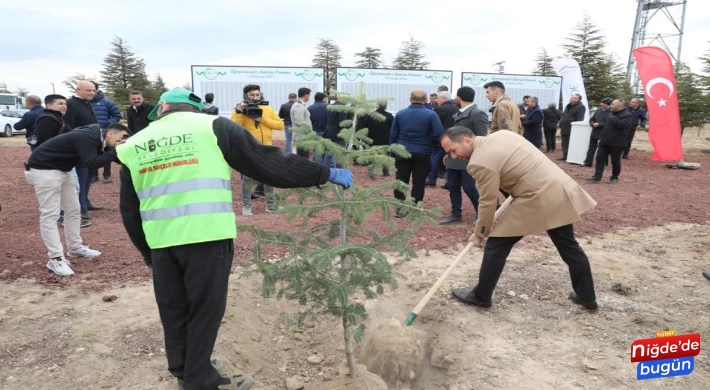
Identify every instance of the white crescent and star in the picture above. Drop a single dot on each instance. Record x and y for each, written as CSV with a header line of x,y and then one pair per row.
x,y
660,80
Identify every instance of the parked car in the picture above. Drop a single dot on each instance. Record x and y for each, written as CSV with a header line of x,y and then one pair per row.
x,y
7,119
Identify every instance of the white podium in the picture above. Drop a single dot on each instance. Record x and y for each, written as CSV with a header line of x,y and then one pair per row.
x,y
579,142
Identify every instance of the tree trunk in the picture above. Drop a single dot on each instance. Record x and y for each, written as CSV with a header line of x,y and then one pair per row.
x,y
349,351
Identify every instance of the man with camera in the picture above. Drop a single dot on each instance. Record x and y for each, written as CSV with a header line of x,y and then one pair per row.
x,y
259,119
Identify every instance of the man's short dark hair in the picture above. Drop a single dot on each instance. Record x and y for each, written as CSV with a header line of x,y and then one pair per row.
x,y
209,98
33,100
467,94
494,84
456,133
251,87
320,96
303,92
135,93
116,127
526,97
49,99
96,85
442,88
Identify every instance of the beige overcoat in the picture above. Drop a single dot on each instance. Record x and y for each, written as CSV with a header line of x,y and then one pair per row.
x,y
506,116
542,196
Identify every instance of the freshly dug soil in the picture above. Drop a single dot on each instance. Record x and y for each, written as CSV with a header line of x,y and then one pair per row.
x,y
648,195
393,351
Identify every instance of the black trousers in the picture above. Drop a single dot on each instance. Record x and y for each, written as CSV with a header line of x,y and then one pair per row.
x,y
593,144
550,141
190,283
417,167
107,171
632,132
603,154
498,249
565,144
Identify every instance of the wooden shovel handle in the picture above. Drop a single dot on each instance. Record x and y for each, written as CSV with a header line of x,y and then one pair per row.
x,y
442,278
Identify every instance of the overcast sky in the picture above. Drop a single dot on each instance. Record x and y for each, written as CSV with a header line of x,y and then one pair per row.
x,y
46,41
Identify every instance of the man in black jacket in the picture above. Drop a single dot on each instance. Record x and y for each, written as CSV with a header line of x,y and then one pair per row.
x,y
27,123
47,170
550,117
457,177
446,110
80,113
613,142
574,112
378,131
597,122
285,115
137,115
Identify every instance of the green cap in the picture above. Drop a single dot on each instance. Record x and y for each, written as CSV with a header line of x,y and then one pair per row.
x,y
176,95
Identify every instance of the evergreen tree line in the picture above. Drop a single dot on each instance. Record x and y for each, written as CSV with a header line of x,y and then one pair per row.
x,y
604,76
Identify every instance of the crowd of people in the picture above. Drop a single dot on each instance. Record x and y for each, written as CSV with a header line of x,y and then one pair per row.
x,y
176,160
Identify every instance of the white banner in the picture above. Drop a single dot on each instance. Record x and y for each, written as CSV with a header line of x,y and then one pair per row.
x,y
227,83
572,81
381,83
545,88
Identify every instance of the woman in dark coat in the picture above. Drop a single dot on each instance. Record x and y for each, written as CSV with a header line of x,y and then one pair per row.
x,y
532,123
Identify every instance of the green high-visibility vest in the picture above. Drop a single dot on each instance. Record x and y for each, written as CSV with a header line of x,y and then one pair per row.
x,y
182,181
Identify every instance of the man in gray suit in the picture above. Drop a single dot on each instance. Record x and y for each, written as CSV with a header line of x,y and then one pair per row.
x,y
476,120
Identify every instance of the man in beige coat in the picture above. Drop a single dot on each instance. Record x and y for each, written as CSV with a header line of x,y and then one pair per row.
x,y
506,114
542,198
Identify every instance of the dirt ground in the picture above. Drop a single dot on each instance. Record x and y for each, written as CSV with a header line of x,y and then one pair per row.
x,y
647,240
533,338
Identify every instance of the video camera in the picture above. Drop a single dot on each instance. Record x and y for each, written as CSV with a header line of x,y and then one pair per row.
x,y
252,110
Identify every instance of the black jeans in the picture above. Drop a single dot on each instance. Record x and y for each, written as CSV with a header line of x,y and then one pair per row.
x,y
417,167
455,179
565,144
498,249
191,284
603,160
550,141
632,132
593,143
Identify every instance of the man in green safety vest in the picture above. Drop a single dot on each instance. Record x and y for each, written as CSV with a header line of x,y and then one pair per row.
x,y
176,205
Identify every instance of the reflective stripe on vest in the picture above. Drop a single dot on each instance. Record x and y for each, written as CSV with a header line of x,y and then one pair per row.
x,y
184,186
185,210
182,181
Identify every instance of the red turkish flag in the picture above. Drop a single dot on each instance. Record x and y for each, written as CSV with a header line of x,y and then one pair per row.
x,y
656,72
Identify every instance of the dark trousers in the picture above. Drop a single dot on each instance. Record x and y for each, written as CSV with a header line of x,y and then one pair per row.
x,y
455,179
632,132
603,154
498,249
593,143
107,171
84,184
304,153
436,162
550,141
565,144
417,167
191,284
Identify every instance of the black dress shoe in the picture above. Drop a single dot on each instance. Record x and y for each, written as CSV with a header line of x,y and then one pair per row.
x,y
594,179
451,219
468,298
562,159
591,306
95,208
707,275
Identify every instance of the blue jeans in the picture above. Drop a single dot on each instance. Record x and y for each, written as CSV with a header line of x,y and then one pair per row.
x,y
289,138
436,157
84,184
455,179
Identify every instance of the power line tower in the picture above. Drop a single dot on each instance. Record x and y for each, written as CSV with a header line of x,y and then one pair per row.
x,y
658,23
501,66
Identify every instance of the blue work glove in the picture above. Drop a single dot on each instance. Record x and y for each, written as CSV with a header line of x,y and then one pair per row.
x,y
342,177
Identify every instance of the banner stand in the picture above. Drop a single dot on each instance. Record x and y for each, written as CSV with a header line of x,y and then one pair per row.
x,y
579,142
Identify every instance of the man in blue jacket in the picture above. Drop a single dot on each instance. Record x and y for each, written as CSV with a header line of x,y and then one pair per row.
x,y
417,128
107,112
34,104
